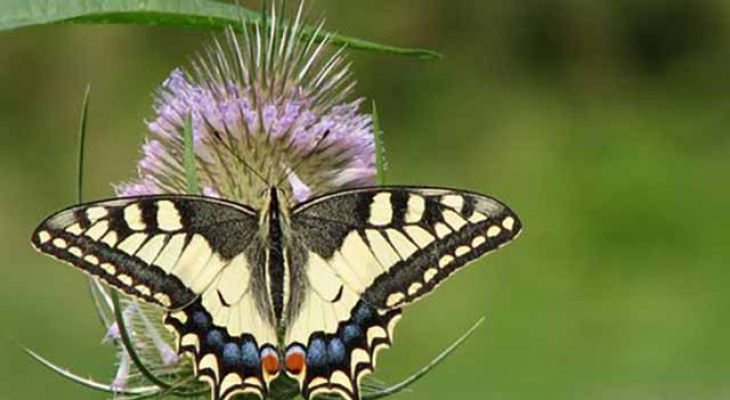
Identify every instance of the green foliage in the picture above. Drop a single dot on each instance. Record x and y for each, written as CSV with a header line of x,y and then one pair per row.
x,y
203,14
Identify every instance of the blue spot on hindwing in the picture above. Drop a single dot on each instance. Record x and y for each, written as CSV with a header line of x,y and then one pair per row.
x,y
201,321
231,355
317,353
336,351
250,354
351,334
214,340
363,314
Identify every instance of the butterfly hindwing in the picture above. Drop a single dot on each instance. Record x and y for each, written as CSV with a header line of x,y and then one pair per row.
x,y
226,332
368,253
332,336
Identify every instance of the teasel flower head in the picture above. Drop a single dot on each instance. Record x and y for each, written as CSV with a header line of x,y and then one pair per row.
x,y
267,108
271,106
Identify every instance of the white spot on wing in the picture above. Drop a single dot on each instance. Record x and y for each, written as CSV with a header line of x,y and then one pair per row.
x,y
191,340
60,243
414,288
358,356
445,261
374,333
381,210
44,237
210,362
96,213
180,316
92,259
462,251
110,239
442,230
416,208
76,252
125,279
133,217
454,201
509,223
478,241
430,274
477,217
163,299
168,216
230,381
143,290
98,230
75,229
395,299
454,220
340,378
109,268
494,231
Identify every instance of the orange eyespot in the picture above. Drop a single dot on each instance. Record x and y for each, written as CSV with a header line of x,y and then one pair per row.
x,y
295,361
270,362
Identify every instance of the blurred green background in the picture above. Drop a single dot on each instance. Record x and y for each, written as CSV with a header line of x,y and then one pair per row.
x,y
603,123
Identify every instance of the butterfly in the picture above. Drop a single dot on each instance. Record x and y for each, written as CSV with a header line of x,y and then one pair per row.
x,y
312,291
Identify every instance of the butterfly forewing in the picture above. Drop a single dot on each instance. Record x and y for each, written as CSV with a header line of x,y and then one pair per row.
x,y
370,252
193,256
162,249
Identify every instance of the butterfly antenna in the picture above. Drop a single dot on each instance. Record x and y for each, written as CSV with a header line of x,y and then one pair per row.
x,y
304,158
238,157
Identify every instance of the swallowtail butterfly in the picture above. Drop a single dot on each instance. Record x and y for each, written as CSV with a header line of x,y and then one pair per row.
x,y
312,291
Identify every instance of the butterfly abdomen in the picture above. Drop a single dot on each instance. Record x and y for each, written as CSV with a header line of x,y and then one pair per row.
x,y
277,273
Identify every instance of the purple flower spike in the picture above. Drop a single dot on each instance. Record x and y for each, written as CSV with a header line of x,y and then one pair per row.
x,y
271,116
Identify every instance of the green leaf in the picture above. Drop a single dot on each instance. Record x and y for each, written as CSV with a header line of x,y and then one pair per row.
x,y
191,170
379,146
203,14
